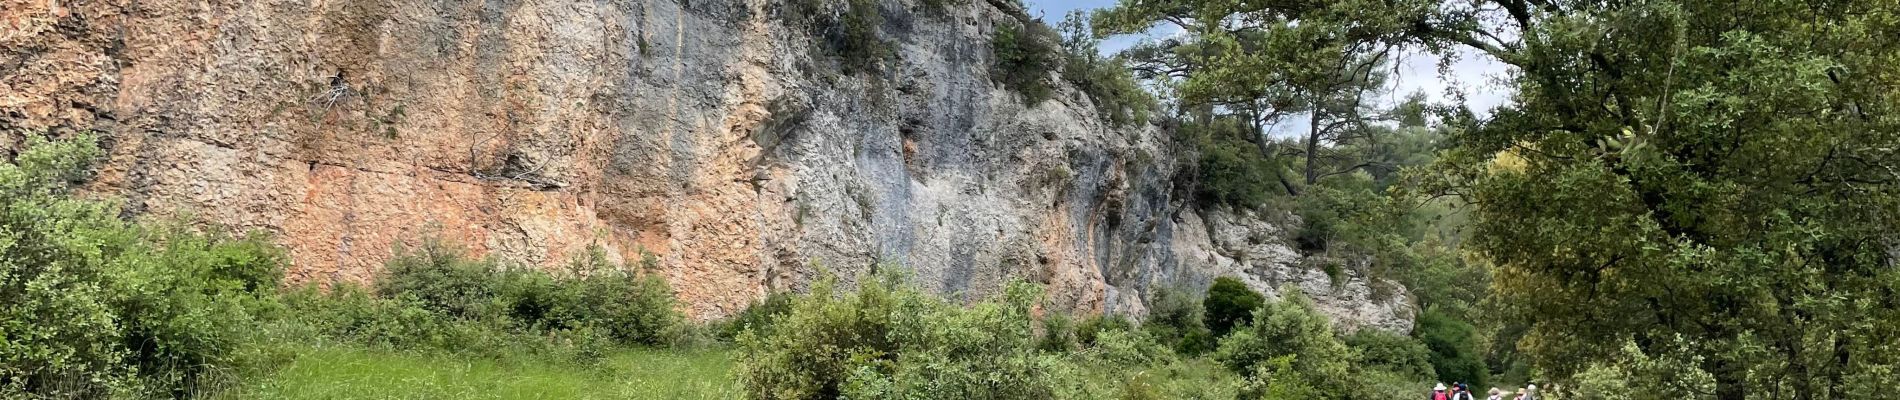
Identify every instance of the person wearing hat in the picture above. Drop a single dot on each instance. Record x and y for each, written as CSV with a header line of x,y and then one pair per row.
x,y
1461,391
1496,394
1438,392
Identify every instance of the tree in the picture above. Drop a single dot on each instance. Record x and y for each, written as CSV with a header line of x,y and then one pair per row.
x,y
1230,303
1454,348
1269,62
1710,181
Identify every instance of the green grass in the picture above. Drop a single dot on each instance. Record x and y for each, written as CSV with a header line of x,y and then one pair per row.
x,y
1192,378
355,372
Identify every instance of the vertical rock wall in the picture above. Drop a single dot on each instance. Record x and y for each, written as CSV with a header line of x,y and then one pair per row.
x,y
709,133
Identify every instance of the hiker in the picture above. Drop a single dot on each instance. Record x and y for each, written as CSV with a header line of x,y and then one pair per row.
x,y
1530,391
1522,394
1438,392
1496,394
1461,391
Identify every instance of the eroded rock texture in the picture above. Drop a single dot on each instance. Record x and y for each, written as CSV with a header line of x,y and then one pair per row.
x,y
710,133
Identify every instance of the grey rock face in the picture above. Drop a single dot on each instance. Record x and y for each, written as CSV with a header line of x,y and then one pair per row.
x,y
711,133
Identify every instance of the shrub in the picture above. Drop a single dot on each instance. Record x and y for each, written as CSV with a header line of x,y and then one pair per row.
x,y
1128,347
1289,334
1107,81
850,36
759,316
351,312
441,279
450,289
857,43
1058,333
93,306
890,340
1178,320
1023,57
1230,169
1454,348
1230,303
1399,354
1092,327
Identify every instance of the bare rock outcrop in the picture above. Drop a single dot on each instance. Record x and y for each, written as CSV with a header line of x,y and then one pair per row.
x,y
712,134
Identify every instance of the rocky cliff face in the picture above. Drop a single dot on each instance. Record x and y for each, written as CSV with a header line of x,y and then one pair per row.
x,y
709,133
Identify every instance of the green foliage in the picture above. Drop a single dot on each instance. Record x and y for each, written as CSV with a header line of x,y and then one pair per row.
x,y
1092,327
1454,348
440,279
1407,357
93,306
1634,375
846,30
759,316
351,371
1344,211
858,43
1058,333
1177,319
599,297
889,339
1106,81
1024,57
1230,303
1230,169
1695,172
1289,348
1128,347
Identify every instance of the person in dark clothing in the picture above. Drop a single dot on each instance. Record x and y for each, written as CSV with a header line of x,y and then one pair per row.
x,y
1460,391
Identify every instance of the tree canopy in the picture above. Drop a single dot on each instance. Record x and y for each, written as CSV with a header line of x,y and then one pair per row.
x,y
1714,184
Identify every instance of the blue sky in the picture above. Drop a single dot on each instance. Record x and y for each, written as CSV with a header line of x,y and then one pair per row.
x,y
1472,74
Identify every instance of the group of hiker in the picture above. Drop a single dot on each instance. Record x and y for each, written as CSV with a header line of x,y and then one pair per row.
x,y
1460,391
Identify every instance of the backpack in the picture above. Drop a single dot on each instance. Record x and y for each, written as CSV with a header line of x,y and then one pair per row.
x,y
1439,395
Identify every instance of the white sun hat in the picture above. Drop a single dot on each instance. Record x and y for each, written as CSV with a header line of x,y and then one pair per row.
x,y
1439,386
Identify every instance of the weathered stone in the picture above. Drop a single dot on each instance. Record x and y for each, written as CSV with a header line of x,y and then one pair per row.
x,y
709,133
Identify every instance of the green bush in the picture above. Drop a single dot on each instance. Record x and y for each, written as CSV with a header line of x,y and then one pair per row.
x,y
857,43
1230,169
890,340
441,279
1108,82
1023,57
1128,347
1177,319
1230,303
1399,354
94,306
850,36
759,316
1291,348
1454,348
437,288
1058,333
1092,327
1109,85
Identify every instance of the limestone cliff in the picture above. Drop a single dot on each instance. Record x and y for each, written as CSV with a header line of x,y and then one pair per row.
x,y
710,133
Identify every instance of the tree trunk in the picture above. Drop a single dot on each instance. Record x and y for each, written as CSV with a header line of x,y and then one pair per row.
x,y
1841,361
1730,381
1312,147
